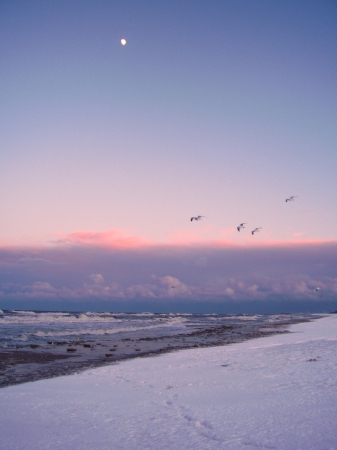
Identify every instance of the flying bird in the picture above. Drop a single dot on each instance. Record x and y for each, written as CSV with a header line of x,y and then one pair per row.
x,y
241,226
256,230
291,199
317,289
196,218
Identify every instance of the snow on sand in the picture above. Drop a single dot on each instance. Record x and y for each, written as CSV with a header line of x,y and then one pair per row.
x,y
278,392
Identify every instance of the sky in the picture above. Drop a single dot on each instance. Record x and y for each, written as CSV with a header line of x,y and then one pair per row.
x,y
220,108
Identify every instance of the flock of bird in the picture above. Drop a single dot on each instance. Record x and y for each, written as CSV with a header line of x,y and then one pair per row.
x,y
242,225
253,231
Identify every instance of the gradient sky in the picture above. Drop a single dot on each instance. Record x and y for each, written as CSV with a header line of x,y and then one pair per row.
x,y
220,108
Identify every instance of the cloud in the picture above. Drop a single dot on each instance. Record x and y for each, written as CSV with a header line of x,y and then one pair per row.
x,y
123,239
113,265
146,291
42,286
97,278
113,238
169,287
175,287
29,260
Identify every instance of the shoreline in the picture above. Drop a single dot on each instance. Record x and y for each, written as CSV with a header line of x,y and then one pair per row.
x,y
276,392
58,358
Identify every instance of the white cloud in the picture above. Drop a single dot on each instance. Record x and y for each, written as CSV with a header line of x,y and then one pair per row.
x,y
42,286
97,278
175,287
141,290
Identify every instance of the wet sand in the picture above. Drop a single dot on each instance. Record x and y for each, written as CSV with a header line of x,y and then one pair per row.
x,y
35,362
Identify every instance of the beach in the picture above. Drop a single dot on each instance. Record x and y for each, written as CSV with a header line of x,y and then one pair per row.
x,y
275,392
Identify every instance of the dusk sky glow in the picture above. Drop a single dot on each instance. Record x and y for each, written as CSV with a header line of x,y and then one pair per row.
x,y
222,108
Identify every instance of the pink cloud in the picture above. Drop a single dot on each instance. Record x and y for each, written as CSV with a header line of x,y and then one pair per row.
x,y
229,238
123,239
299,234
113,238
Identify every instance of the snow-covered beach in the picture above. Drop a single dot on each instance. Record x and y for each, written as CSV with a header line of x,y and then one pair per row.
x,y
274,392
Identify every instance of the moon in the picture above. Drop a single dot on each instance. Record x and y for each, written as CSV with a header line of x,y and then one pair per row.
x,y
123,41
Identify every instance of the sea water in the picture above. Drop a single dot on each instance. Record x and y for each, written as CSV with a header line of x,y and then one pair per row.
x,y
22,328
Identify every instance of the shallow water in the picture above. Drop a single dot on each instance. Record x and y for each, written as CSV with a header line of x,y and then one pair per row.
x,y
35,344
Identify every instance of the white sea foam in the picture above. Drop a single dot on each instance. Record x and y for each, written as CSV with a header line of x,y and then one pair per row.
x,y
33,318
30,317
105,331
22,337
